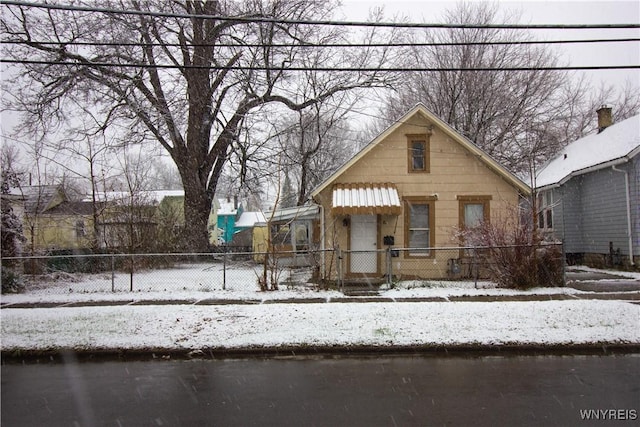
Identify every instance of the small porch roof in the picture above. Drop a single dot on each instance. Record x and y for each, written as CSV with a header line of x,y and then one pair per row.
x,y
368,198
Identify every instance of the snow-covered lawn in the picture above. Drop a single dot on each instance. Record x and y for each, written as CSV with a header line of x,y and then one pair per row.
x,y
271,322
189,327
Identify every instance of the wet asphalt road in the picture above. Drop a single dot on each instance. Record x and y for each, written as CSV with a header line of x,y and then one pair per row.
x,y
345,391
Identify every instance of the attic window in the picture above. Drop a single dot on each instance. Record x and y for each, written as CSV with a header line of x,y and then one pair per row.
x,y
418,152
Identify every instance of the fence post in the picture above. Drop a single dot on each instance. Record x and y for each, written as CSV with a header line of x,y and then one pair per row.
x,y
339,268
224,268
474,268
389,267
131,274
113,273
564,265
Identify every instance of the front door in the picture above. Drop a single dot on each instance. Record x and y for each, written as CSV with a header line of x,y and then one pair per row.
x,y
364,232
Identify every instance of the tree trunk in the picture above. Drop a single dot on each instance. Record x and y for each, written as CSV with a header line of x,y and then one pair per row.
x,y
197,207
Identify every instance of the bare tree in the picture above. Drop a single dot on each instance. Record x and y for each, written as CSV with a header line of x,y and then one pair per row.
x,y
491,108
195,109
517,117
314,146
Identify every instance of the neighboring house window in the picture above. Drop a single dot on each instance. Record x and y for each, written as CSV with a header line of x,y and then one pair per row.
x,y
419,224
545,210
280,234
301,237
418,148
80,231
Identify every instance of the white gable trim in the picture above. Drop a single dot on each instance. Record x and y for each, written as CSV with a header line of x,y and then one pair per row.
x,y
421,109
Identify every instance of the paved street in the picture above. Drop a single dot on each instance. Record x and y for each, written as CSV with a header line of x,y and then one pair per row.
x,y
343,391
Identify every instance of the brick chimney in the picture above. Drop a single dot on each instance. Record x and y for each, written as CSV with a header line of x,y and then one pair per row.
x,y
604,118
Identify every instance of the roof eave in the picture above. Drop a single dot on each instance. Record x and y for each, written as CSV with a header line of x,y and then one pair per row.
x,y
421,108
589,169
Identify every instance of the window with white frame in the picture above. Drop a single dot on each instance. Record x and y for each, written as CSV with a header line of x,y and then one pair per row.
x,y
545,210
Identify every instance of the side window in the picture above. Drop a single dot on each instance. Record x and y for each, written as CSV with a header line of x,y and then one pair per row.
x,y
545,211
419,222
473,214
80,230
418,153
474,211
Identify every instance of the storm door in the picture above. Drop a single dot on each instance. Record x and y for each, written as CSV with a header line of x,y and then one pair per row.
x,y
363,244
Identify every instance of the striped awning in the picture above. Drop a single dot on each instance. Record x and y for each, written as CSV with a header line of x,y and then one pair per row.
x,y
352,199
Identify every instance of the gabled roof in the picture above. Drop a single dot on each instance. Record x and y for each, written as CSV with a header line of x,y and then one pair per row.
x,y
72,208
420,109
39,198
616,144
249,219
151,197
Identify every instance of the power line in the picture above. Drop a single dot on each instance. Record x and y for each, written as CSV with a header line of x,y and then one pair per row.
x,y
254,19
324,45
336,69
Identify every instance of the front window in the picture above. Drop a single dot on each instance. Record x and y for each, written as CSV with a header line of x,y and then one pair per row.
x,y
419,225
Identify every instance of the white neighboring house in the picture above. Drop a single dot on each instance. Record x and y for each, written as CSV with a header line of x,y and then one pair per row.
x,y
589,195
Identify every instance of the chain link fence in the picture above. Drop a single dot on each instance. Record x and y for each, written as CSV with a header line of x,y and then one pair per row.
x,y
224,271
255,271
509,266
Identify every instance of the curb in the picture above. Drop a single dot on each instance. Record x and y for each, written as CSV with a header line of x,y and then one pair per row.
x,y
433,350
621,296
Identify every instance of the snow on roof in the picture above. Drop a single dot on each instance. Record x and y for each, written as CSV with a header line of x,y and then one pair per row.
x,y
227,207
617,142
150,196
249,219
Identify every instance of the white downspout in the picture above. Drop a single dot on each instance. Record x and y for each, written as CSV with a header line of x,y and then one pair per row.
x,y
322,244
628,197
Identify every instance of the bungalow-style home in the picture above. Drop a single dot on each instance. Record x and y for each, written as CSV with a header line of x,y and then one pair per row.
x,y
589,195
53,222
411,188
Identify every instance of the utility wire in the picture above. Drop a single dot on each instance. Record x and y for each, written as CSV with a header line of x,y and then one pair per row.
x,y
260,19
338,69
324,45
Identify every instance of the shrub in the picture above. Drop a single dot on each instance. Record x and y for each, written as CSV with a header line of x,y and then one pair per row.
x,y
513,256
11,281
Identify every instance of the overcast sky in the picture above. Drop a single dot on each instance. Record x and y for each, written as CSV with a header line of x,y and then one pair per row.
x,y
544,12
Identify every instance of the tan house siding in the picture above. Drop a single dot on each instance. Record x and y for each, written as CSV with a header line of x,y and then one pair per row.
x,y
454,173
54,232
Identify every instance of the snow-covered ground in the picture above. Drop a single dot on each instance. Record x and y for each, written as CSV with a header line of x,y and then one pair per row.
x,y
194,282
269,322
